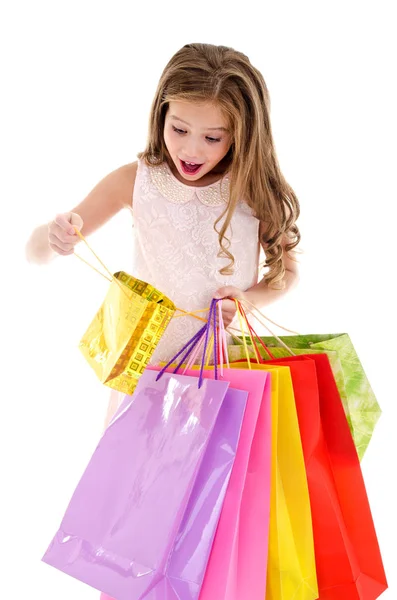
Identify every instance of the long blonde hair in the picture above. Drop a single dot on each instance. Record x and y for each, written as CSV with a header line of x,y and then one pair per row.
x,y
222,75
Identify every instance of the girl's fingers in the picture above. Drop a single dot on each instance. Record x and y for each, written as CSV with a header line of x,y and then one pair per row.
x,y
229,291
228,305
53,239
61,234
228,313
63,221
59,250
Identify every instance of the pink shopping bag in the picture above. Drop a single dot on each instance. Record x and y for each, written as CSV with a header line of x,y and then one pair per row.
x,y
238,561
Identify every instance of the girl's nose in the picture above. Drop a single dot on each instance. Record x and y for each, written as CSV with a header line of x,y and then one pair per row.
x,y
191,151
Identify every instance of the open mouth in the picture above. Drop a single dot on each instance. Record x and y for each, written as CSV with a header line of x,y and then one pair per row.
x,y
190,168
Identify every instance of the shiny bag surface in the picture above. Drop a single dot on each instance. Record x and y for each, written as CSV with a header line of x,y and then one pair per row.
x,y
348,559
142,520
291,568
237,565
125,331
124,519
359,401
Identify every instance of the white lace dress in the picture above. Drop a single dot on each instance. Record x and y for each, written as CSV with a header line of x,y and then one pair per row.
x,y
176,247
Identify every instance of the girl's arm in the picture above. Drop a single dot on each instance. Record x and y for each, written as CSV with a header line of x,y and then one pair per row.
x,y
260,294
107,198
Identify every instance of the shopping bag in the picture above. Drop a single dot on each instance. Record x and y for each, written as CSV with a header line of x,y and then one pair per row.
x,y
237,564
122,521
348,559
188,559
291,569
238,559
126,329
361,406
128,529
251,474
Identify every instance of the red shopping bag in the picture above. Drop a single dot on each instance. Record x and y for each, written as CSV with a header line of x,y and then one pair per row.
x,y
348,559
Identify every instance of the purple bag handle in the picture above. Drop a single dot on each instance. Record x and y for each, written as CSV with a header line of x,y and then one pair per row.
x,y
194,341
211,316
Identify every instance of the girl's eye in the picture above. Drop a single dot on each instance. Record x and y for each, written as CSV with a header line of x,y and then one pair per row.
x,y
211,140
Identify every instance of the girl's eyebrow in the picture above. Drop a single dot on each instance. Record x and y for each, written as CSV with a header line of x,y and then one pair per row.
x,y
175,118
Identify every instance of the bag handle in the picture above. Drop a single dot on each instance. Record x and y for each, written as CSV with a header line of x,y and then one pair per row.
x,y
222,346
263,316
194,313
250,307
184,312
111,276
254,336
202,336
223,341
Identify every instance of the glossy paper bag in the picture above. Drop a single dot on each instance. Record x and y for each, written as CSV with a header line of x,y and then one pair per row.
x,y
348,559
125,331
123,520
238,560
359,401
291,569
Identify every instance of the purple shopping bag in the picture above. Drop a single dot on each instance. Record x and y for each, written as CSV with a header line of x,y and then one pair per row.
x,y
196,534
124,518
188,560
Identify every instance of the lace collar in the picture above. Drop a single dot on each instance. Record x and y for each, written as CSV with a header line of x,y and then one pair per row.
x,y
175,191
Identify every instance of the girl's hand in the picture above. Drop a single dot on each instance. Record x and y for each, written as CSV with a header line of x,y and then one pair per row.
x,y
62,237
229,306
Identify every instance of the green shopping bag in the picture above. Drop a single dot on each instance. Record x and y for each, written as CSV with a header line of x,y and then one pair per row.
x,y
359,401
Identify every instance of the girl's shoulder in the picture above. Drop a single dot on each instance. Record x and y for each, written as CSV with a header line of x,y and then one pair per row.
x,y
127,176
110,195
122,182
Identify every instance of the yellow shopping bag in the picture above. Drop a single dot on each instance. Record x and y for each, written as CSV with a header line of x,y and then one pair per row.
x,y
291,572
126,329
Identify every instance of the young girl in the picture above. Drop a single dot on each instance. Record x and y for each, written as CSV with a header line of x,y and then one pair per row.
x,y
206,193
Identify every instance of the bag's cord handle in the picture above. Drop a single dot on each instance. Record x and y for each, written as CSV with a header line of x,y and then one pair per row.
x,y
194,313
190,346
268,329
111,277
253,335
263,316
250,308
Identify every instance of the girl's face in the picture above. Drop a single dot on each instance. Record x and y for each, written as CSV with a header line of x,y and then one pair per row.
x,y
197,138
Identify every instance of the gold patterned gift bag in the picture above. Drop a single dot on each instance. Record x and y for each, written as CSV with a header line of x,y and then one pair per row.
x,y
126,329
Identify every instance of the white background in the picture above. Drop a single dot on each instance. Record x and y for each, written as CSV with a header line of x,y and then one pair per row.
x,y
77,82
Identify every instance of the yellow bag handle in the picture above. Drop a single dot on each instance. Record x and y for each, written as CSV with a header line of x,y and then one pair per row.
x,y
192,313
113,278
253,307
259,319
